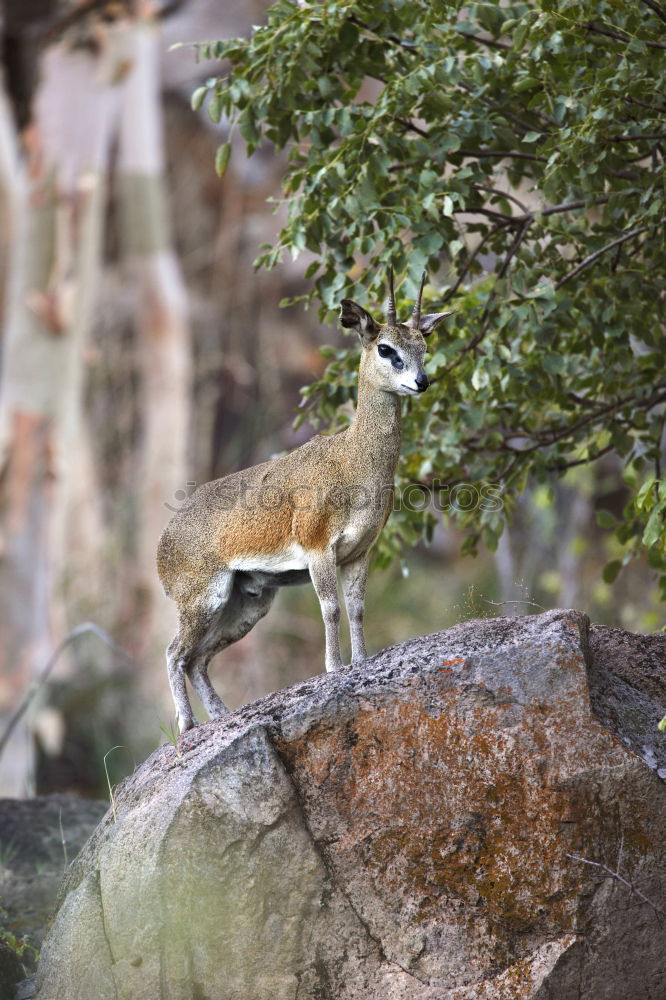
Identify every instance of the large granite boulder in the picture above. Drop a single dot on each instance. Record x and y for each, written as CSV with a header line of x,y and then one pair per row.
x,y
429,826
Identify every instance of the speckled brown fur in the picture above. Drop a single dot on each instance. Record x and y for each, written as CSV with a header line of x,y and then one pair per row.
x,y
223,556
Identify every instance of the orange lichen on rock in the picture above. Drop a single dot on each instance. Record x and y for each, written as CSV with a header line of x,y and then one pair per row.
x,y
442,805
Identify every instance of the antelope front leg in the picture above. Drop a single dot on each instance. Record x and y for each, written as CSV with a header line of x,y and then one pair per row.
x,y
322,574
354,578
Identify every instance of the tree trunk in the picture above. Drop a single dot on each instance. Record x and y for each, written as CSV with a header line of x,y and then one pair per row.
x,y
51,293
163,330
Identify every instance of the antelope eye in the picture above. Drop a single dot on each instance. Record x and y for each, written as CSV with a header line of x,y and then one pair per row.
x,y
385,351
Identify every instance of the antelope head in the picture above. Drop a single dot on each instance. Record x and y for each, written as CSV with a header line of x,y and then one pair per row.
x,y
393,352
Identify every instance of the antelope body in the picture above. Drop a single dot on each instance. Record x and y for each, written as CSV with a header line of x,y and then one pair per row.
x,y
294,519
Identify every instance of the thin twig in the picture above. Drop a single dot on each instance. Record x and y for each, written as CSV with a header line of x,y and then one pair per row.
x,y
489,103
657,8
625,882
112,797
598,253
502,153
502,194
565,206
499,604
485,316
644,104
472,257
555,436
656,137
563,466
508,220
490,42
618,866
42,677
62,839
513,249
620,38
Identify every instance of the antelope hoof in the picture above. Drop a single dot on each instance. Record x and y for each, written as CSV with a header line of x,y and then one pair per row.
x,y
185,723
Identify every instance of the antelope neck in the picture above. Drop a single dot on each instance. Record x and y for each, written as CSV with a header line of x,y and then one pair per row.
x,y
377,419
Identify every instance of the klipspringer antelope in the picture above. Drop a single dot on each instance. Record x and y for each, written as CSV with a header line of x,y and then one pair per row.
x,y
294,519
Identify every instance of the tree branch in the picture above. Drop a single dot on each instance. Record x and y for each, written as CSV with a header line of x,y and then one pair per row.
x,y
513,249
502,154
565,206
658,10
563,466
490,42
41,679
602,411
590,26
485,316
465,271
502,194
489,103
625,882
410,126
644,104
657,137
598,253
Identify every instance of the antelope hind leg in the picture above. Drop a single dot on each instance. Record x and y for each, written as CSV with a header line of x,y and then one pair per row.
x,y
192,644
248,601
177,657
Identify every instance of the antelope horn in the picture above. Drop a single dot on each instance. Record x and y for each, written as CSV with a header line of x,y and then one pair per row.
x,y
416,315
390,312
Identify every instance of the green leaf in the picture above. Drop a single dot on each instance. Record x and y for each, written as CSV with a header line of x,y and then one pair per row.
x,y
525,83
215,108
611,570
198,97
605,519
449,143
644,492
654,529
222,158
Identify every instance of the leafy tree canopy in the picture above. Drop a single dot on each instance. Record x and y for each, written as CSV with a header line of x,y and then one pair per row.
x,y
517,152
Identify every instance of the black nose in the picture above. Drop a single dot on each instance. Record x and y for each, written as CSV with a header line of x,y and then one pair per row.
x,y
422,383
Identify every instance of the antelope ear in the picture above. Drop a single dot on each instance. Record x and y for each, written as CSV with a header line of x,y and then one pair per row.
x,y
355,317
431,321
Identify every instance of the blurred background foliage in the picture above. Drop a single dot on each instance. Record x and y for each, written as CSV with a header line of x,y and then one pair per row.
x,y
515,150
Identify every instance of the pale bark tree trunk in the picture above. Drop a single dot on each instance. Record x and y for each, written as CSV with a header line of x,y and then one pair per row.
x,y
506,571
576,515
54,276
163,332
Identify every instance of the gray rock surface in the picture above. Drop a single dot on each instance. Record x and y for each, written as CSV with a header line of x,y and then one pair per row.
x,y
404,829
627,678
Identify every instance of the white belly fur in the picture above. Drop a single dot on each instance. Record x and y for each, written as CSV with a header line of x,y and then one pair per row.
x,y
293,557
